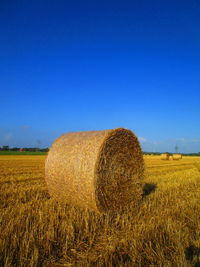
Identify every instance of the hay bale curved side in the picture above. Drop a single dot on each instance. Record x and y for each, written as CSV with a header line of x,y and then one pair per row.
x,y
100,170
165,156
176,156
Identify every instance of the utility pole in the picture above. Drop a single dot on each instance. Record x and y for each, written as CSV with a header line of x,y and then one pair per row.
x,y
38,144
176,149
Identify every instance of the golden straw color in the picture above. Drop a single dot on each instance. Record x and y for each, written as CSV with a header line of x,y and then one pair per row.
x,y
99,170
165,156
176,156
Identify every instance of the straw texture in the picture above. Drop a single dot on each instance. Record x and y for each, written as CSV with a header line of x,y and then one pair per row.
x,y
165,156
99,170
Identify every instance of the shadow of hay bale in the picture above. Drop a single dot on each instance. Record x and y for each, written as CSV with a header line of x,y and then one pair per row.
x,y
148,189
192,252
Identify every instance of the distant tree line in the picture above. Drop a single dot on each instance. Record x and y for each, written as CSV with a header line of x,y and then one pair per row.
x,y
31,149
158,153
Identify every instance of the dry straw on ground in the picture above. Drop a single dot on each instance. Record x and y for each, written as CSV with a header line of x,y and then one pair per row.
x,y
176,156
99,170
165,156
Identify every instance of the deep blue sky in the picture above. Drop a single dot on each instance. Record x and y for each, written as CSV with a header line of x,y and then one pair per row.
x,y
92,65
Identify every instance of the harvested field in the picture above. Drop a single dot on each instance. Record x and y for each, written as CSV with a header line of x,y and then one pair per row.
x,y
162,230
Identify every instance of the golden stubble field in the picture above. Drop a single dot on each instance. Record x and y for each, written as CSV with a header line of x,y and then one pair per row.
x,y
162,230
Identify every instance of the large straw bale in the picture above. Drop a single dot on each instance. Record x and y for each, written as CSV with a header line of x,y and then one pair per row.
x,y
165,156
99,170
176,156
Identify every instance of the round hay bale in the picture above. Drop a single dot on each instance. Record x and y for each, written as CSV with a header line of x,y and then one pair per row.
x,y
176,156
165,156
99,170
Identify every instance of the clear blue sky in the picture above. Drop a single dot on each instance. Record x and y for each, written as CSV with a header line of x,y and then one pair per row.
x,y
92,65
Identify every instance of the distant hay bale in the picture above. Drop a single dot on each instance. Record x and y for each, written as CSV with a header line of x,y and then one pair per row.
x,y
176,156
165,156
99,170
